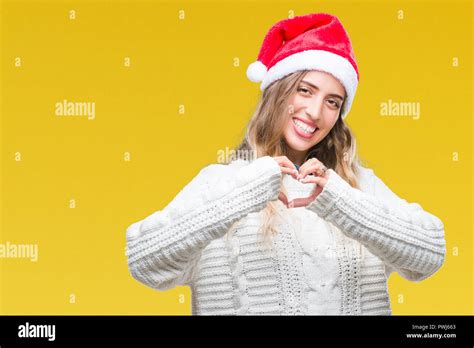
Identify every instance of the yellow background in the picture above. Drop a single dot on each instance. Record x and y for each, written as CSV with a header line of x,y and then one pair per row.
x,y
192,62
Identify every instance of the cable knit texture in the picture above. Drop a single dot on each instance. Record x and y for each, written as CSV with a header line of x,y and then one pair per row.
x,y
331,257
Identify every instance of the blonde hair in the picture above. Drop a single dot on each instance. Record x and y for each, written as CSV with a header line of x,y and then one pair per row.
x,y
264,137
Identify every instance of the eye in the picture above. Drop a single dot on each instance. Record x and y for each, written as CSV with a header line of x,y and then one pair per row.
x,y
334,103
303,89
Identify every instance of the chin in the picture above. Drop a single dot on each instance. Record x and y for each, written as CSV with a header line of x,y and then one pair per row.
x,y
298,144
299,147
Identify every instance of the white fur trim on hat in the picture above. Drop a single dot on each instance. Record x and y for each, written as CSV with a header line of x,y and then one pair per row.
x,y
256,71
321,60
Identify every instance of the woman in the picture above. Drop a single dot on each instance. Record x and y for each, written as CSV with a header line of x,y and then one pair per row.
x,y
300,227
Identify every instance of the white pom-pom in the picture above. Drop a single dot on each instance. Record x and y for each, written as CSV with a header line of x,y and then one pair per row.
x,y
256,71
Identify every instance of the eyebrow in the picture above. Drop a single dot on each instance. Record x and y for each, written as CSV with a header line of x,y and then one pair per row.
x,y
316,87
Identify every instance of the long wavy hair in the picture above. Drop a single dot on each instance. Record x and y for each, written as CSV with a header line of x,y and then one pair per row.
x,y
264,137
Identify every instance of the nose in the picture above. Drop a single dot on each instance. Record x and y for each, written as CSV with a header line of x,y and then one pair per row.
x,y
314,109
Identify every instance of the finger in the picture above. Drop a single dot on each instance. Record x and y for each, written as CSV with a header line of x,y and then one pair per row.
x,y
313,168
313,179
307,167
282,197
307,163
292,172
288,163
284,162
310,169
300,202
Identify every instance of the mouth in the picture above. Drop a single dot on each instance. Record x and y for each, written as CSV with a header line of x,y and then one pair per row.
x,y
304,130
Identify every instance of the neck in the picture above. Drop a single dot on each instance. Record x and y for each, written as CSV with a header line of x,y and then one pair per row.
x,y
297,157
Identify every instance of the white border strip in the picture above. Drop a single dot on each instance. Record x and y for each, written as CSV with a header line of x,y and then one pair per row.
x,y
321,60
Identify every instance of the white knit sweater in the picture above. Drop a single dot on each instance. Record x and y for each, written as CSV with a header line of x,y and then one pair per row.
x,y
333,256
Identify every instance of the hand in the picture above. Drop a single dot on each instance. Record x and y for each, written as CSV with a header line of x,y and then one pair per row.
x,y
286,166
309,172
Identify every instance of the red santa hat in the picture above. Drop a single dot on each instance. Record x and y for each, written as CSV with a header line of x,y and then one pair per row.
x,y
316,41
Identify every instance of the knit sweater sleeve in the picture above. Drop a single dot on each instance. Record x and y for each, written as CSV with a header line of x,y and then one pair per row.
x,y
406,238
164,248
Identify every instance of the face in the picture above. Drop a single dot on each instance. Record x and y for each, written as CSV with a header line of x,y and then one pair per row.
x,y
313,110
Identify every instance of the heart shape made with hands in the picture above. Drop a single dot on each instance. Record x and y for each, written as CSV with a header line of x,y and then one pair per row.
x,y
298,194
